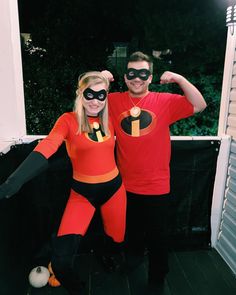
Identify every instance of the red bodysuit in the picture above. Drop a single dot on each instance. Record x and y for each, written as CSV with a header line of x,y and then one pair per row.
x,y
96,180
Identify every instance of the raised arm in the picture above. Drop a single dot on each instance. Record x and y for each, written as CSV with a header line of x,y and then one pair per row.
x,y
190,91
107,74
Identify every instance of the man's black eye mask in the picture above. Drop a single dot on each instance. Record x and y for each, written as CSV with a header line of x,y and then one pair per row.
x,y
142,74
90,94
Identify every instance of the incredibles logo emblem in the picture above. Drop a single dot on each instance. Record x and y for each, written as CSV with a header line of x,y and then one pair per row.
x,y
97,134
139,125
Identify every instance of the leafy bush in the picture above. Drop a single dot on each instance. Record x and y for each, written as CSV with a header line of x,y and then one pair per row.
x,y
67,43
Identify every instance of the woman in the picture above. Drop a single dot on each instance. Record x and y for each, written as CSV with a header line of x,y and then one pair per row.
x,y
96,183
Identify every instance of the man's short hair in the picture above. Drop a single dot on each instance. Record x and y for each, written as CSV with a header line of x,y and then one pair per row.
x,y
140,56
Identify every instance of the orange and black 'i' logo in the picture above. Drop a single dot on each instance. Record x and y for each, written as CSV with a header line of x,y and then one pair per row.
x,y
138,125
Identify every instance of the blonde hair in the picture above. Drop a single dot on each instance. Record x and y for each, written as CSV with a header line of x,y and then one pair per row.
x,y
85,81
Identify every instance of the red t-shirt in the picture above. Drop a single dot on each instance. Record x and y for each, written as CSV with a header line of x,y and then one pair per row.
x,y
92,160
143,158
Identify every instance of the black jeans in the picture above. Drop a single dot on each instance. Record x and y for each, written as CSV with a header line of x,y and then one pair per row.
x,y
147,228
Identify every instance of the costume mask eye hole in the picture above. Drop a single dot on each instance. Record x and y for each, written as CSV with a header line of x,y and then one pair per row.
x,y
143,74
131,74
101,96
89,95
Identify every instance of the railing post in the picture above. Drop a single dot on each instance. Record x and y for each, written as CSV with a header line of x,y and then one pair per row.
x,y
228,69
12,109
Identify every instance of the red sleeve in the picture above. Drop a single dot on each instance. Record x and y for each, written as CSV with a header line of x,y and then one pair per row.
x,y
180,108
50,144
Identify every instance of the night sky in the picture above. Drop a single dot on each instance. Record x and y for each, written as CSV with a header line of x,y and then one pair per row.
x,y
110,11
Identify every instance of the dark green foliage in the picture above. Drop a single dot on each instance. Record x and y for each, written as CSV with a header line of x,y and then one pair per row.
x,y
77,36
195,33
64,46
206,122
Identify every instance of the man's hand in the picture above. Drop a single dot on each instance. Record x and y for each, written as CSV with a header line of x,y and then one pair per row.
x,y
108,75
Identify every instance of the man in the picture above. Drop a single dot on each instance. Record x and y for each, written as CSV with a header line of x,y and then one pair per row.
x,y
141,120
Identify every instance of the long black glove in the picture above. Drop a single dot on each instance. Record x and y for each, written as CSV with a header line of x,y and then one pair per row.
x,y
33,165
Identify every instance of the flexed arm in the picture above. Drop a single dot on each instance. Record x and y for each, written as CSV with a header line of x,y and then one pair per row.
x,y
190,91
107,74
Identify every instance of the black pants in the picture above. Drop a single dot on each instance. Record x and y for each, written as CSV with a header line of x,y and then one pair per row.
x,y
147,227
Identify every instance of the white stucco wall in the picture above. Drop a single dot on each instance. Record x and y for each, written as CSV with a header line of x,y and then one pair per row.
x,y
12,111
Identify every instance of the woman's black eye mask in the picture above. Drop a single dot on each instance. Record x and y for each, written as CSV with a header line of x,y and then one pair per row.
x,y
90,94
142,74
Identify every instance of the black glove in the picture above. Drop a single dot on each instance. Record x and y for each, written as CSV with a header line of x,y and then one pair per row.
x,y
33,165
